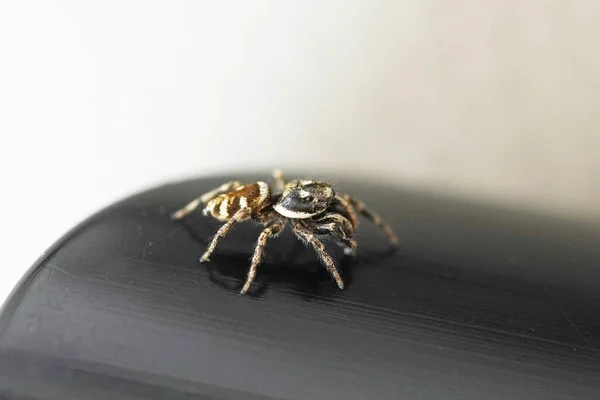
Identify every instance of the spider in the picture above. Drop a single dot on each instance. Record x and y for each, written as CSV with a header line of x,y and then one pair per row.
x,y
313,209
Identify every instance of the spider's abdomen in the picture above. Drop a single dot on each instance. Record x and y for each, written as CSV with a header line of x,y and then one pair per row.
x,y
254,196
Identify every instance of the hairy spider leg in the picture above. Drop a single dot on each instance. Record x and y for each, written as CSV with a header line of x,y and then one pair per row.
x,y
279,180
306,235
376,219
239,216
265,216
206,197
333,224
349,210
271,231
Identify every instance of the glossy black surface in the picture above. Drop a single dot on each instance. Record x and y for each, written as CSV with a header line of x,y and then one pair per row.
x,y
478,303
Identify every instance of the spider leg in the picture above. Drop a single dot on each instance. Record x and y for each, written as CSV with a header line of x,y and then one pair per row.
x,y
345,204
333,224
237,217
376,219
279,181
306,235
270,231
206,197
265,216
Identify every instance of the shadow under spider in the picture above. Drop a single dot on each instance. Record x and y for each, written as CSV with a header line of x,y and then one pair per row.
x,y
310,279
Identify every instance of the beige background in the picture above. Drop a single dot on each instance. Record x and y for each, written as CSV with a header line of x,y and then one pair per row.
x,y
496,100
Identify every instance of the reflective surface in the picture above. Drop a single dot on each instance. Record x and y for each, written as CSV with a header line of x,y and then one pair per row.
x,y
477,303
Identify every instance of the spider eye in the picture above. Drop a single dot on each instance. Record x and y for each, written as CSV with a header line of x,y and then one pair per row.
x,y
309,198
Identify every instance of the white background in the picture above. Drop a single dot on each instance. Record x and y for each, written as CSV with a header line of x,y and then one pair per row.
x,y
497,100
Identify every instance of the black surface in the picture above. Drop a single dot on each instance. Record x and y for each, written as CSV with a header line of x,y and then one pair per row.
x,y
478,303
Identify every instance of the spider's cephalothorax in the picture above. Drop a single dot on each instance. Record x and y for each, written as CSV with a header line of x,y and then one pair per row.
x,y
312,208
304,199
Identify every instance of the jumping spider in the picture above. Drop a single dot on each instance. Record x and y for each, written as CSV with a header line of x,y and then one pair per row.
x,y
312,208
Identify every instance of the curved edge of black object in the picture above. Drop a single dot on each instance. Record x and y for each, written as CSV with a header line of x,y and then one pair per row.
x,y
477,303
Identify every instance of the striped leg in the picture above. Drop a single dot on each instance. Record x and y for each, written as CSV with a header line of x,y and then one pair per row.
x,y
305,234
270,231
349,210
206,197
376,219
237,217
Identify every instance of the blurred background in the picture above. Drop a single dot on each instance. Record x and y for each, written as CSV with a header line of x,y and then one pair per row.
x,y
494,101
